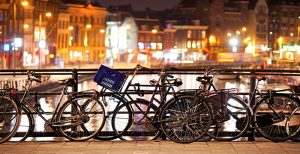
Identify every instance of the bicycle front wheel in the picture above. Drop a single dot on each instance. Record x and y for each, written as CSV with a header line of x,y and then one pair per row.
x,y
9,118
115,124
185,120
234,124
81,118
141,127
26,126
277,118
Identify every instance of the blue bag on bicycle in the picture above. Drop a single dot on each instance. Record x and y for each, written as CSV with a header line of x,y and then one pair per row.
x,y
109,78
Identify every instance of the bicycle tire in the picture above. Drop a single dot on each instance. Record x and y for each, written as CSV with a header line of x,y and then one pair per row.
x,y
141,127
9,118
185,120
237,122
81,118
296,138
113,102
26,126
273,127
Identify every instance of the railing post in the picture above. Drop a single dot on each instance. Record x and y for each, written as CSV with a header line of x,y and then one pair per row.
x,y
251,135
75,77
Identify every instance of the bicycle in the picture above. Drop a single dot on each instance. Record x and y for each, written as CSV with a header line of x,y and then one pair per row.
x,y
225,108
79,118
275,114
142,123
272,114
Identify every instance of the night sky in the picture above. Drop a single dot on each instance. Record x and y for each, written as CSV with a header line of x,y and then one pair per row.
x,y
142,4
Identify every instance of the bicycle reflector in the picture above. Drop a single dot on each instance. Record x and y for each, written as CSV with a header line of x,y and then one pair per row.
x,y
13,91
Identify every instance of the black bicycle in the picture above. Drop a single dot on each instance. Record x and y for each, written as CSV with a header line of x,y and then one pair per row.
x,y
275,113
79,118
133,117
228,116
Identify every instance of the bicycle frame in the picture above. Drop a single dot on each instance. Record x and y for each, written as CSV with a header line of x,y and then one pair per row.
x,y
25,103
128,98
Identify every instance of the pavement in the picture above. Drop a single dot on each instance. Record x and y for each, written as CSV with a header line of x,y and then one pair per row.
x,y
147,147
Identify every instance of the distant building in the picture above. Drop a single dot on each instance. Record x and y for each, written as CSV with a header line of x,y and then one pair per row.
x,y
81,37
121,40
33,23
284,31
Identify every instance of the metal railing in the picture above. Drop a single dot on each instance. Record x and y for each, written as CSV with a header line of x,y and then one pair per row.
x,y
77,73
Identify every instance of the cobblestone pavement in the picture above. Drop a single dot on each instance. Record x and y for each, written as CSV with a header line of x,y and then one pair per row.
x,y
147,147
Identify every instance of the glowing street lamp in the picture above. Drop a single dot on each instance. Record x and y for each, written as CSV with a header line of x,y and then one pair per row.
x,y
154,31
24,3
233,42
48,14
88,26
244,29
102,31
212,39
26,26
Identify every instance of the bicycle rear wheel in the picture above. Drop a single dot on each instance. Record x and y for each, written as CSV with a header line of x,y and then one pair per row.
x,y
185,120
141,127
81,118
9,118
277,118
234,124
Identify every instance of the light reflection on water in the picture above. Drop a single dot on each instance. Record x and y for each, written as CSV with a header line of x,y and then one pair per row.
x,y
49,103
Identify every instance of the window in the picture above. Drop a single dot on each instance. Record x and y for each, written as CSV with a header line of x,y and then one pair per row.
x,y
141,46
189,34
1,16
153,45
189,44
71,19
203,34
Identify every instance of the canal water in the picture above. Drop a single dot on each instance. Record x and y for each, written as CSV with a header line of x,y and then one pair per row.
x,y
48,103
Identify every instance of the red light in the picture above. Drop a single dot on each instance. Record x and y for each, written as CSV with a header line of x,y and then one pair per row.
x,y
13,91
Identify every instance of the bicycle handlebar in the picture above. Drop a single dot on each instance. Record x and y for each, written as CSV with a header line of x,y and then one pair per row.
x,y
34,76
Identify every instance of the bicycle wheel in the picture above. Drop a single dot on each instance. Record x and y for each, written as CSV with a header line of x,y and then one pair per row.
x,y
141,127
275,118
26,126
294,119
113,102
234,124
81,118
185,120
9,118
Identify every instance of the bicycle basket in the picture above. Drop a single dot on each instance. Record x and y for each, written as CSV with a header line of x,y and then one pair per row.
x,y
109,78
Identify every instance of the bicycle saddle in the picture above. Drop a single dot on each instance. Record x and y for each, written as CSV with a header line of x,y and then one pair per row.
x,y
204,79
174,82
68,82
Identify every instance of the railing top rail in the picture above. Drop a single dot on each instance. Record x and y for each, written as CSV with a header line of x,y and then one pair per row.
x,y
177,71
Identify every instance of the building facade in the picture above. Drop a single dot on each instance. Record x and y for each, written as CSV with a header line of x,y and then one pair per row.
x,y
284,31
82,36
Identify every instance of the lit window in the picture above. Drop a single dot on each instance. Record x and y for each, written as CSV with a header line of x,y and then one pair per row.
x,y
189,44
198,44
203,34
141,45
189,34
159,46
153,46
194,44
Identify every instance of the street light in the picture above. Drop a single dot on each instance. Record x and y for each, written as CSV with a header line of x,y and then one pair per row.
x,y
41,43
23,3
